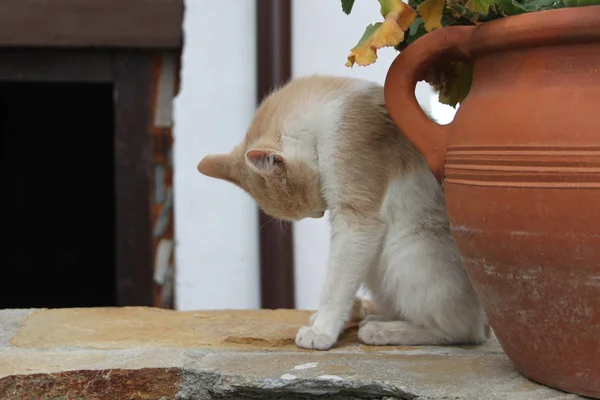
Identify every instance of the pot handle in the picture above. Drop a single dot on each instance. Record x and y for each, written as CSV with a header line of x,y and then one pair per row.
x,y
410,67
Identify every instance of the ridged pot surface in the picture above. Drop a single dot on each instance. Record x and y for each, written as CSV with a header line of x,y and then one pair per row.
x,y
521,163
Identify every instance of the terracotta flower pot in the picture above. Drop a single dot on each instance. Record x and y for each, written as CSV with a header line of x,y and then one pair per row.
x,y
521,162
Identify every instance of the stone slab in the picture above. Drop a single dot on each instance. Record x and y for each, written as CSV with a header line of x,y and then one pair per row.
x,y
146,353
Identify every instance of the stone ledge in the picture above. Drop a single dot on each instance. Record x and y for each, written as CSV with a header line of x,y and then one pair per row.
x,y
146,353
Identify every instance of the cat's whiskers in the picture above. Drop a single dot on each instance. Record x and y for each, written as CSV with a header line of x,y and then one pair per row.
x,y
267,223
284,226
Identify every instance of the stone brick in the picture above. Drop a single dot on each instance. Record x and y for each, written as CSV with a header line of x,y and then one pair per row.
x,y
147,353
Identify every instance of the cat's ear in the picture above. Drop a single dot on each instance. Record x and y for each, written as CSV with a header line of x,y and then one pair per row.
x,y
217,166
264,161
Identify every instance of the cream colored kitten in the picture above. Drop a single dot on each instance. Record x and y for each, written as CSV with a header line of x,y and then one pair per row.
x,y
327,143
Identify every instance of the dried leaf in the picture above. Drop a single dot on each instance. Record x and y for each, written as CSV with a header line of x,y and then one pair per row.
x,y
363,53
398,18
398,11
431,12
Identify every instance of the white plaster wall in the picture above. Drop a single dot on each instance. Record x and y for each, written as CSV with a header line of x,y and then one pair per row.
x,y
322,37
215,222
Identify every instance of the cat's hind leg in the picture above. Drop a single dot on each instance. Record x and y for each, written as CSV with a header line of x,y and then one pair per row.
x,y
399,333
361,310
376,318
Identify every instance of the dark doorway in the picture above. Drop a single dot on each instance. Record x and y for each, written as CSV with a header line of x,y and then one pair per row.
x,y
58,168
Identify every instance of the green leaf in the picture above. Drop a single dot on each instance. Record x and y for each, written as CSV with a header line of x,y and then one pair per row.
x,y
481,6
384,8
415,31
579,3
347,6
417,28
534,5
509,8
459,86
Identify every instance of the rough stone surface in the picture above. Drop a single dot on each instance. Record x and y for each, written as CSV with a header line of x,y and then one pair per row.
x,y
145,353
121,328
144,383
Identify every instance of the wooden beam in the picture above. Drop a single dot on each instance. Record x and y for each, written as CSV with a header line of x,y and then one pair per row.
x,y
130,73
91,23
274,68
133,176
56,65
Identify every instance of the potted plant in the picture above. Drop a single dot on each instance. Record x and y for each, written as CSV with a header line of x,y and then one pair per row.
x,y
520,162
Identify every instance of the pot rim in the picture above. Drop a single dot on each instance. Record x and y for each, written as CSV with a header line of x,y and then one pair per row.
x,y
541,28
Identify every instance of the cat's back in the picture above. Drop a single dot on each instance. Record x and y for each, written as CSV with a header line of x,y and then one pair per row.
x,y
306,106
340,127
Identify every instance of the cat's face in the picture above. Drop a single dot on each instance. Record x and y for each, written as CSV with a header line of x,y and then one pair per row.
x,y
284,189
275,162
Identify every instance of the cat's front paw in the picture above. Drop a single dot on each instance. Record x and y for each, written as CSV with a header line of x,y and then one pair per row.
x,y
310,338
312,319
